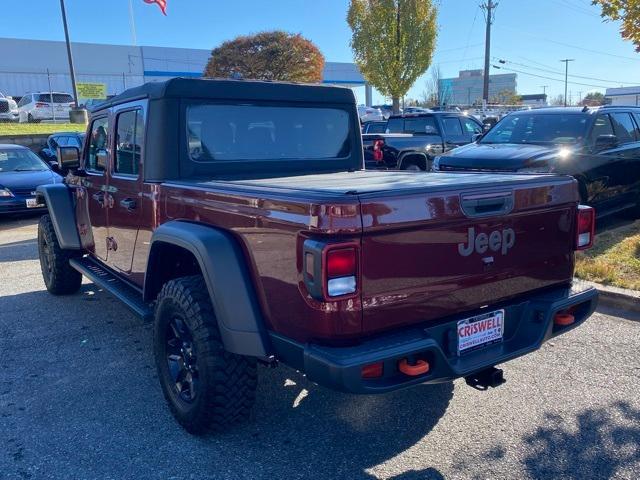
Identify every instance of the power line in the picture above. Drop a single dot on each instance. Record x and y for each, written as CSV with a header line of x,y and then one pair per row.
x,y
557,72
599,52
547,78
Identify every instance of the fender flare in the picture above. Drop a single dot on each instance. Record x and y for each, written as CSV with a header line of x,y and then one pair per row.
x,y
405,154
228,281
61,207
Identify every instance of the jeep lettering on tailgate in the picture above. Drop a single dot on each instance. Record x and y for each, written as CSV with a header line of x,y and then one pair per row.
x,y
498,240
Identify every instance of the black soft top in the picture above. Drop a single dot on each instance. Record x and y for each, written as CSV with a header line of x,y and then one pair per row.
x,y
233,90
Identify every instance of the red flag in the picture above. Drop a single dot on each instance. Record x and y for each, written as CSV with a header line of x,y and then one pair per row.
x,y
161,3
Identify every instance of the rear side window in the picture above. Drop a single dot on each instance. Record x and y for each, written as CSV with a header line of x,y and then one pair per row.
x,y
130,129
96,160
377,128
602,126
470,127
57,98
228,133
624,127
452,127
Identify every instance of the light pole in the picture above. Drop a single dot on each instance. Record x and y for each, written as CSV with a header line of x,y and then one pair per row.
x,y
71,69
566,76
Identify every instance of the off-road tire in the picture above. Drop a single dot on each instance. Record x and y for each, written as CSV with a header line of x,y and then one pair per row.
x,y
226,381
59,277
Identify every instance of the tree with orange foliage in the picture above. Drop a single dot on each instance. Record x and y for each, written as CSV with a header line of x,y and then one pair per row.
x,y
267,56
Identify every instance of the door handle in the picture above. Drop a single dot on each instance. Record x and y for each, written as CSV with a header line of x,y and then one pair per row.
x,y
98,197
128,203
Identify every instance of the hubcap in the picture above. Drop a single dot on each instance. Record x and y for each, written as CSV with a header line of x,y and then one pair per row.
x,y
181,359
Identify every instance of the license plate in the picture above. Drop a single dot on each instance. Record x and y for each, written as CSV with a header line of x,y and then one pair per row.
x,y
33,203
480,330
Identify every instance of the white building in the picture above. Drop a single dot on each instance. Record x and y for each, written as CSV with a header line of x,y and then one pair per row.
x,y
29,66
623,96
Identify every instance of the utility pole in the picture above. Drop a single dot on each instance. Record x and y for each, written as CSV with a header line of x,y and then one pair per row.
x,y
489,9
566,76
71,69
544,89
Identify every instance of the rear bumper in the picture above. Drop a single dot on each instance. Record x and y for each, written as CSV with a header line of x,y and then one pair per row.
x,y
528,324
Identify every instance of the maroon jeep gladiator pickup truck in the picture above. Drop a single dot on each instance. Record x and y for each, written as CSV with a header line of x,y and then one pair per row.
x,y
237,217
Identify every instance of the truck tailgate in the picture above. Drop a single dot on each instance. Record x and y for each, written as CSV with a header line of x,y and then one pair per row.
x,y
451,249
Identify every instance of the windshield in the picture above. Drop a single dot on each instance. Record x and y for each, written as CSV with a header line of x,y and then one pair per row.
x,y
20,161
535,128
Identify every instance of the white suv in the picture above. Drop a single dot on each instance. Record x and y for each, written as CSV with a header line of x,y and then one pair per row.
x,y
8,109
35,107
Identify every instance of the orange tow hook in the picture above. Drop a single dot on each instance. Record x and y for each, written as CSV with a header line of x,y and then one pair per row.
x,y
421,366
563,319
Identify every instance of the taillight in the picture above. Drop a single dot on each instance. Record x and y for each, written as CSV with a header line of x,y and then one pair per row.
x,y
586,227
340,271
330,270
377,150
41,105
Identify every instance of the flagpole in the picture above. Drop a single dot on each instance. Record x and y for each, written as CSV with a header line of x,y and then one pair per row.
x,y
132,24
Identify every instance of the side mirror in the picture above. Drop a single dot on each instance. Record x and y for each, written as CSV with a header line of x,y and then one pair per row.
x,y
476,136
605,142
68,158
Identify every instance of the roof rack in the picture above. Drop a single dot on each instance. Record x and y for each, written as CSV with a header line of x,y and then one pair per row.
x,y
618,106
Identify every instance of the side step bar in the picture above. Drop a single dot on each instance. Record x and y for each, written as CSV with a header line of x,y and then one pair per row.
x,y
124,292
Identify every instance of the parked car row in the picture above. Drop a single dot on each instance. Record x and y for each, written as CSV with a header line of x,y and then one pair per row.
x,y
600,147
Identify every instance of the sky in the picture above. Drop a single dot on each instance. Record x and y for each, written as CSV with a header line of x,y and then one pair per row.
x,y
530,36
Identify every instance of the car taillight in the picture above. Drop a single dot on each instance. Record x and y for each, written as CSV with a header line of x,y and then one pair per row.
x,y
41,105
330,270
586,227
341,269
377,150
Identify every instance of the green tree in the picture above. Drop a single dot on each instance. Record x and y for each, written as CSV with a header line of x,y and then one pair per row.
x,y
267,56
393,42
506,97
628,13
594,99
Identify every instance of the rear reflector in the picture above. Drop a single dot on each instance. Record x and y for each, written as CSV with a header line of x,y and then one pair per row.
x,y
378,155
374,370
586,227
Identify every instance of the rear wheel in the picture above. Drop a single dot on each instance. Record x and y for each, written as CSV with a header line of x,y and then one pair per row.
x,y
59,277
207,388
31,119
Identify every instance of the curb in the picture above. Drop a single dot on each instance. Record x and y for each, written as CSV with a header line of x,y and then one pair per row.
x,y
614,297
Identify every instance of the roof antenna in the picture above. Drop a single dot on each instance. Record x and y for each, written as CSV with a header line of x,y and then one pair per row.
x,y
585,108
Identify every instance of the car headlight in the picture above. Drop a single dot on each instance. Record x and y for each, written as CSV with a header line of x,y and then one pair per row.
x,y
5,192
436,164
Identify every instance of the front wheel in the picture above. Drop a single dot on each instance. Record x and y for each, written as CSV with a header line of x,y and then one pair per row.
x,y
59,277
206,387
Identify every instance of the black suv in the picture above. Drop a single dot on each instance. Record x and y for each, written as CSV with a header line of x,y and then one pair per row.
x,y
412,140
600,147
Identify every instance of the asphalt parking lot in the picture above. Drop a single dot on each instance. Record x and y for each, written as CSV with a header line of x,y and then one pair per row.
x,y
79,399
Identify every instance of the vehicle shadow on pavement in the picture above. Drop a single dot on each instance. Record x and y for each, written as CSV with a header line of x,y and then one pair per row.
x,y
604,444
19,251
341,435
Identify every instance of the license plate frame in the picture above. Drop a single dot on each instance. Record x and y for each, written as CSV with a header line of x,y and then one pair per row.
x,y
33,203
489,333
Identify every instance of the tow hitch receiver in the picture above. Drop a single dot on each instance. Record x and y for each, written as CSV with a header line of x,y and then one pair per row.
x,y
482,380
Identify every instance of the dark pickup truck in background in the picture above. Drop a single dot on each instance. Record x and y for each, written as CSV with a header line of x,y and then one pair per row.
x,y
600,147
237,217
412,141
